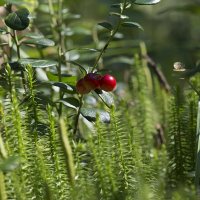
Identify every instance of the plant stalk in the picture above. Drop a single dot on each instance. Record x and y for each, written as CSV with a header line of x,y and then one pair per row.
x,y
59,79
67,152
16,41
78,114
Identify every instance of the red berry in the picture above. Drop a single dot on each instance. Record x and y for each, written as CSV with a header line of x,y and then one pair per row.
x,y
108,83
80,87
91,81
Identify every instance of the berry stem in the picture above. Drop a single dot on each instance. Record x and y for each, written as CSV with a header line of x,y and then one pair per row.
x,y
16,41
78,114
59,79
15,38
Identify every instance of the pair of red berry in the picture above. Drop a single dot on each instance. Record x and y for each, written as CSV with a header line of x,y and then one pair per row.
x,y
94,81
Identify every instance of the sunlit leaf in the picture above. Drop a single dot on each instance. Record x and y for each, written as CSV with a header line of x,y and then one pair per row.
x,y
33,35
66,78
91,114
70,102
119,15
132,25
37,63
18,2
84,49
146,2
106,97
65,87
40,41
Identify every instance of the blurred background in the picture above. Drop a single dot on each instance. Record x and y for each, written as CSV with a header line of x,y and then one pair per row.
x,y
171,28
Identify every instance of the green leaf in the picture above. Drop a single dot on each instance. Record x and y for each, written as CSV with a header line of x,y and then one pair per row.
x,y
70,102
66,78
69,80
40,41
91,115
119,15
33,35
106,25
9,164
65,87
37,63
106,97
128,5
18,20
132,25
146,2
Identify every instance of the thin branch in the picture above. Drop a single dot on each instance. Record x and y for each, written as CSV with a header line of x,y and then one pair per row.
x,y
78,114
161,77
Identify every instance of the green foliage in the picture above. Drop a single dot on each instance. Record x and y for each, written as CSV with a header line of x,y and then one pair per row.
x,y
181,140
58,144
18,20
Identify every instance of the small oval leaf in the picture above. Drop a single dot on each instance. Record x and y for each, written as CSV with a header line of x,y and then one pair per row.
x,y
65,87
106,97
119,15
37,63
40,41
18,20
146,2
66,78
70,102
84,49
91,115
33,35
18,2
106,25
132,25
